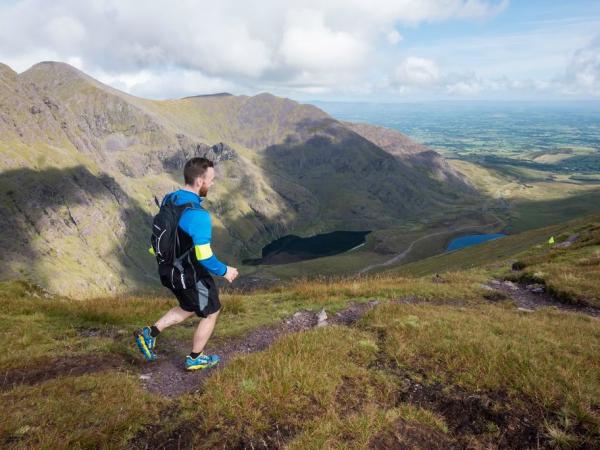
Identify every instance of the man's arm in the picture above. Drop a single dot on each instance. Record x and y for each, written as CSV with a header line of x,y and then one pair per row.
x,y
199,228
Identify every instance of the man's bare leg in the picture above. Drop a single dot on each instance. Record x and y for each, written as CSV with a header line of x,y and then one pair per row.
x,y
204,331
172,317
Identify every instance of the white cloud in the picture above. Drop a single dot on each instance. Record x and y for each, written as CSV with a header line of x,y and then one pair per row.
x,y
415,74
394,37
464,84
64,32
309,45
160,48
582,74
464,88
272,43
169,83
414,71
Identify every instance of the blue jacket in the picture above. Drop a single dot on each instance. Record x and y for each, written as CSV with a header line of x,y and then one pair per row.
x,y
196,223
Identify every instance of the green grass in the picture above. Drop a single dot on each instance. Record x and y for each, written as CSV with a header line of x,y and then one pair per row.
x,y
101,410
333,387
37,325
571,274
43,330
535,358
497,255
292,383
492,253
534,213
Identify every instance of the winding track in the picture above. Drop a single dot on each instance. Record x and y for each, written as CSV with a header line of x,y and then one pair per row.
x,y
400,256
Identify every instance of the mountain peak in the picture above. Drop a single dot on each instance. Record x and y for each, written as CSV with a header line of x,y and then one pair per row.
x,y
62,77
54,73
54,67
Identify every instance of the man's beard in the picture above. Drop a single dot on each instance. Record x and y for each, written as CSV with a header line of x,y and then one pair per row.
x,y
203,191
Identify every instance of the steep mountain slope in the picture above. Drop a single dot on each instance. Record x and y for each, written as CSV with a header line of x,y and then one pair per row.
x,y
82,162
414,154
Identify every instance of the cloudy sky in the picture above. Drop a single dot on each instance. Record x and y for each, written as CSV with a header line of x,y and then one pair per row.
x,y
355,50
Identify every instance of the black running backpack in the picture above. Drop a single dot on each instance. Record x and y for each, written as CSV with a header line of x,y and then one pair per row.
x,y
166,246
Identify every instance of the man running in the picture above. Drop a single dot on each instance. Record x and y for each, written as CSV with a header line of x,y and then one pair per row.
x,y
202,299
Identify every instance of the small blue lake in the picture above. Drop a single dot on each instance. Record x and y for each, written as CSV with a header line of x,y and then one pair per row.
x,y
471,239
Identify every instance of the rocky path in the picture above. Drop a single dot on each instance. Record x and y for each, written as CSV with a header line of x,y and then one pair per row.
x,y
468,415
168,377
530,297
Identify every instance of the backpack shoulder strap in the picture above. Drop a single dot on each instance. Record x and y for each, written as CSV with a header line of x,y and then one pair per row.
x,y
185,207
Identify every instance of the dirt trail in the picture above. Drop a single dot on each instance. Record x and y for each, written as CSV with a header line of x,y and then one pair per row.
x,y
530,297
168,377
469,415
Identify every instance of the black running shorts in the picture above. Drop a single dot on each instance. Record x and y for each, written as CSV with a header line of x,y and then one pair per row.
x,y
202,299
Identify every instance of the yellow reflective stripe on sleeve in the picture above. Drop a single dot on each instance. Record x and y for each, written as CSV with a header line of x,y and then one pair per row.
x,y
203,251
151,251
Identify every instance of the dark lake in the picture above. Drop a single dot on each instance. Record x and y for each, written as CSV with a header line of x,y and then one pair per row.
x,y
471,239
292,248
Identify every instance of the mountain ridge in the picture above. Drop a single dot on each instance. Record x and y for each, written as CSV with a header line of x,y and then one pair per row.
x,y
284,167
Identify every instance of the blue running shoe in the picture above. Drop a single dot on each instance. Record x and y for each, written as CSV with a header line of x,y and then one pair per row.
x,y
145,343
202,361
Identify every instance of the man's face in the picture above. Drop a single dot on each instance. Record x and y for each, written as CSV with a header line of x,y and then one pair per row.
x,y
204,182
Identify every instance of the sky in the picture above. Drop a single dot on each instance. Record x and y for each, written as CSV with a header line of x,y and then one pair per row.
x,y
333,50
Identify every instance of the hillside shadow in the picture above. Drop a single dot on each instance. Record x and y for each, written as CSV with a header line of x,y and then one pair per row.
x,y
530,214
356,184
37,209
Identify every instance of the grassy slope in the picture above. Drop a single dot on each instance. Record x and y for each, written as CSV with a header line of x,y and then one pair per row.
x,y
534,198
571,273
489,253
335,387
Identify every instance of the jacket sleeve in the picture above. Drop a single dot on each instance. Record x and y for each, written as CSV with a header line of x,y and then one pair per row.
x,y
200,230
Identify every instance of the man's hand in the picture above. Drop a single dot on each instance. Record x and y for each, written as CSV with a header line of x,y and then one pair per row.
x,y
231,274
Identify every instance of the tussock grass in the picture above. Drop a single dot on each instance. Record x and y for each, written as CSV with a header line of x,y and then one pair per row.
x,y
52,327
45,328
283,388
534,357
454,285
234,304
357,430
309,390
102,410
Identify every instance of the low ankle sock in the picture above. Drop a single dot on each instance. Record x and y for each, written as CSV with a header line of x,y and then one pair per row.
x,y
194,355
154,331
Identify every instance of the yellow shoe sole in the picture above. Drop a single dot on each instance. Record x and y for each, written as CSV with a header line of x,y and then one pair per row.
x,y
191,368
143,347
207,366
